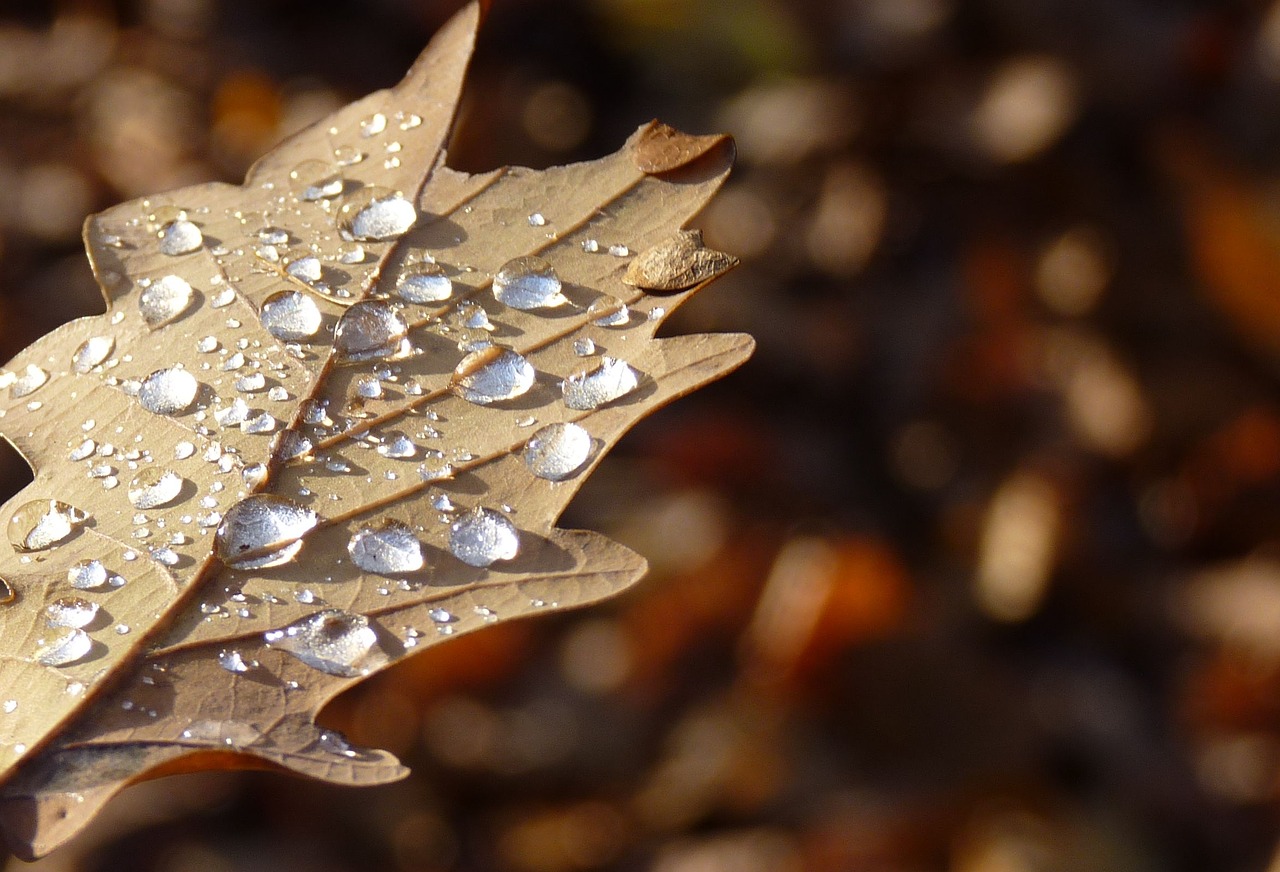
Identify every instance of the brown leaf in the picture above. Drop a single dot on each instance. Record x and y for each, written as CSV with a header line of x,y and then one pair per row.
x,y
351,370
678,262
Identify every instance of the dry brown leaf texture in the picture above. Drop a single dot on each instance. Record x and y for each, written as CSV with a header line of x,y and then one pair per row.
x,y
329,418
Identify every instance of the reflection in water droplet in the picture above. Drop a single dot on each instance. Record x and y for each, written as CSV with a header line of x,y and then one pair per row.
x,y
87,574
386,548
557,451
41,524
315,180
492,374
608,312
483,536
92,352
305,268
369,330
397,445
373,125
180,237
232,661
70,611
155,487
374,214
527,283
164,300
31,380
609,381
584,347
262,530
68,647
168,391
291,316
333,641
424,283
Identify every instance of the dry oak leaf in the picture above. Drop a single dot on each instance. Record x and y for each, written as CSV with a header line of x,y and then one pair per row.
x,y
329,417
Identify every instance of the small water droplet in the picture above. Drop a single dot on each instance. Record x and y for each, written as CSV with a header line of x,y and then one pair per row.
x,y
436,468
332,641
619,251
87,574
154,488
398,446
315,180
223,298
232,661
70,611
291,316
347,155
31,380
584,347
41,524
609,381
183,450
231,734
590,246
65,649
424,283
557,451
83,451
251,383
273,236
537,219
259,424
375,214
373,125
483,536
369,330
368,387
442,616
262,530
386,548
305,268
528,283
492,374
180,237
165,300
608,312
92,352
168,391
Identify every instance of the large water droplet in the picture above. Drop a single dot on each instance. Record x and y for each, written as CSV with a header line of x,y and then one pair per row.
x,y
386,548
315,180
492,374
373,214
527,283
369,330
168,391
609,381
41,524
92,352
333,641
305,268
164,300
557,451
291,316
424,283
154,488
68,647
31,380
483,536
87,574
70,611
180,237
262,530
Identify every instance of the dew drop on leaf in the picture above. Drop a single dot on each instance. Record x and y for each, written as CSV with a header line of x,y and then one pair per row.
x,y
483,536
154,488
527,283
305,268
608,312
92,352
180,237
87,575
168,391
291,316
398,446
386,548
332,641
375,214
70,611
262,530
492,374
557,451
369,330
315,180
31,380
41,524
424,283
65,649
164,300
232,661
609,381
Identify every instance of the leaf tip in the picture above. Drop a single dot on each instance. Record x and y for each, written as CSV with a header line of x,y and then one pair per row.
x,y
660,148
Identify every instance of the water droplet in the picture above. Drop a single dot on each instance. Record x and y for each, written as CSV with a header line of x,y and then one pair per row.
x,y
369,330
424,283
92,352
233,415
483,536
609,381
164,300
41,524
442,616
368,387
333,641
87,574
584,347
154,488
253,475
263,423
180,237
262,530
83,451
232,661
65,649
347,155
398,446
273,236
527,283
168,391
557,451
31,380
435,469
374,214
608,312
492,374
305,268
315,180
387,548
619,251
590,246
251,383
224,298
232,734
70,611
291,316
537,219
373,125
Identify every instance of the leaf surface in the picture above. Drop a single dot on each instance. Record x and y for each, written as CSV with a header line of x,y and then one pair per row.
x,y
311,435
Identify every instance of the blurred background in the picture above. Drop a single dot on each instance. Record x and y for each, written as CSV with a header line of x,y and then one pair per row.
x,y
974,567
